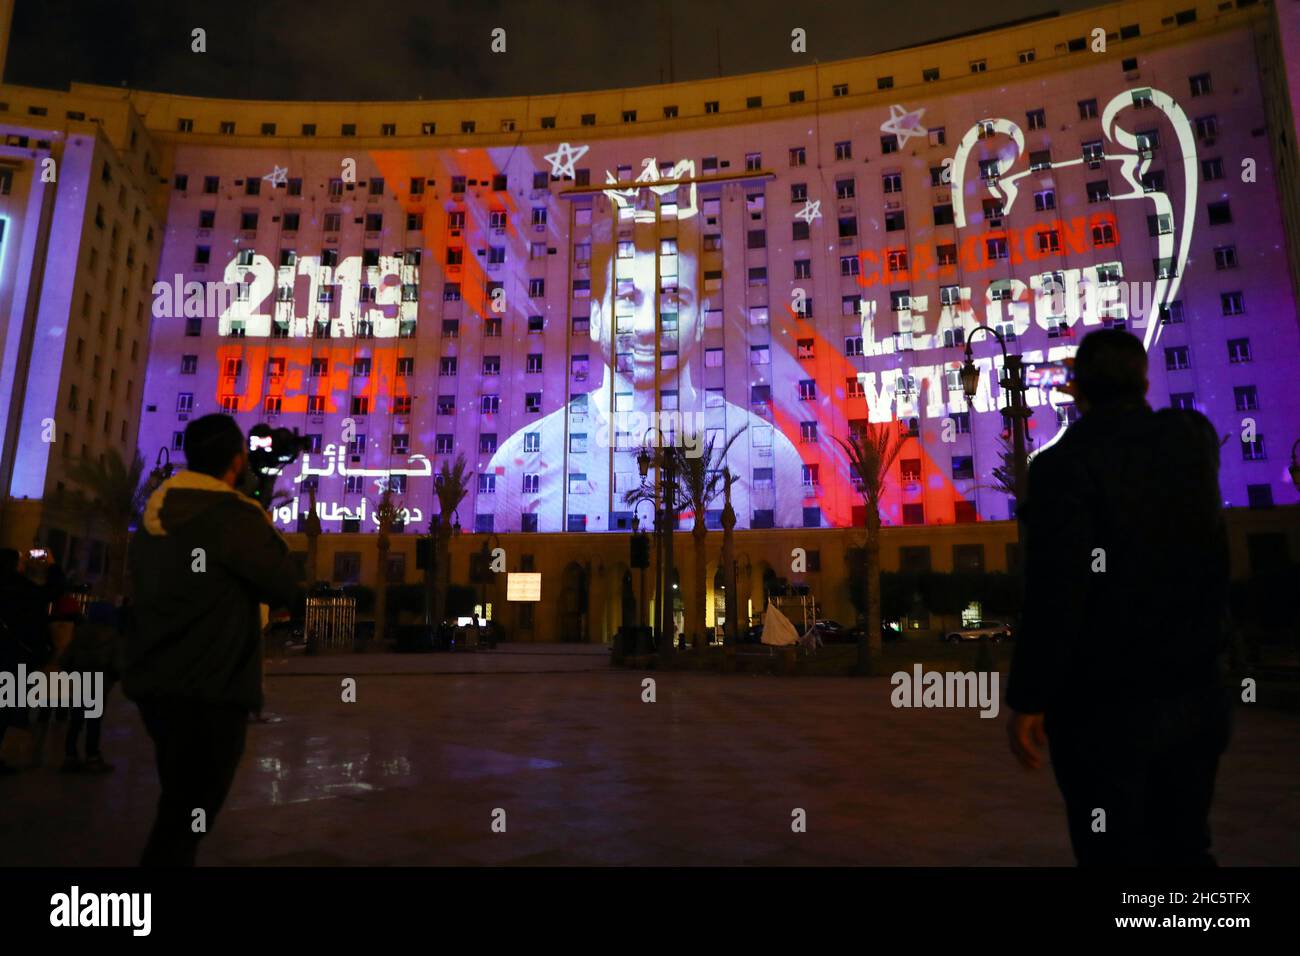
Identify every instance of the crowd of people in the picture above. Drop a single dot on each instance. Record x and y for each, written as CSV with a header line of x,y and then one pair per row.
x,y
46,624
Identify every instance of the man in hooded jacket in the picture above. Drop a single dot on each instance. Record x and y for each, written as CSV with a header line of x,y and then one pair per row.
x,y
205,560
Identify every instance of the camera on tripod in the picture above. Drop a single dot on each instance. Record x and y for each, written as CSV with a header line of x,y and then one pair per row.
x,y
269,451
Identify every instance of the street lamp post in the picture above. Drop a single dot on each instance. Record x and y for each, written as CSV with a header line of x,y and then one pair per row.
x,y
162,470
1013,383
641,559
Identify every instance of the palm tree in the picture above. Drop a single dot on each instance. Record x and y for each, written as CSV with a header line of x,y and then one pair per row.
x,y
387,514
112,495
312,529
871,453
699,479
451,485
1004,473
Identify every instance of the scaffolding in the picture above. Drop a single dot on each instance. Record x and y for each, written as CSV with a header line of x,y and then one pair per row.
x,y
804,605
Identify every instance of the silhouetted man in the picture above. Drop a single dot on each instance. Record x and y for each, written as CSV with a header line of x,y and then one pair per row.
x,y
1117,666
24,637
204,561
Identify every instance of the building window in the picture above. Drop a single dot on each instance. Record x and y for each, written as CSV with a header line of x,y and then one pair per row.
x,y
1238,351
968,558
1259,496
1220,213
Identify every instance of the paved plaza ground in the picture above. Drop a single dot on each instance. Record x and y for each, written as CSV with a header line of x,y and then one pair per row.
x,y
589,774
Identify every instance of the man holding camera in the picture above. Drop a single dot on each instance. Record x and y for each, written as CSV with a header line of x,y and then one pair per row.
x,y
203,563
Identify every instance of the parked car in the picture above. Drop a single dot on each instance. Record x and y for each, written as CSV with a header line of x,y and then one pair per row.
x,y
833,632
994,631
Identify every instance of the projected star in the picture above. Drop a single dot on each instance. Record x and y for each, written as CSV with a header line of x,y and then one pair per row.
x,y
812,209
562,160
278,176
904,124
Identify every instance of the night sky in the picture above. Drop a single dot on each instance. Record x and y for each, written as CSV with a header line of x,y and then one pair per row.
x,y
407,49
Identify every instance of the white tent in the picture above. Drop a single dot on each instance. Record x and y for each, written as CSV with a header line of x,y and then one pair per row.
x,y
777,628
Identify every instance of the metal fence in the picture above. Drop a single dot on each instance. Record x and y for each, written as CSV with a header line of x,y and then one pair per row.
x,y
330,623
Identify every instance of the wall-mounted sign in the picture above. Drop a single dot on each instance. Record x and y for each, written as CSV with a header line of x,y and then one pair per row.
x,y
522,586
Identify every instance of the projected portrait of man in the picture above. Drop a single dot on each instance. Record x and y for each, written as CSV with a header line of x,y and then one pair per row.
x,y
637,382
